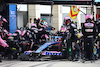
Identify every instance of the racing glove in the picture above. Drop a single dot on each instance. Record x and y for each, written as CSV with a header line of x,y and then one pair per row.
x,y
99,34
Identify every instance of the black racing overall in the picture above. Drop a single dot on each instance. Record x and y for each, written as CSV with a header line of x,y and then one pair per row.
x,y
71,39
89,35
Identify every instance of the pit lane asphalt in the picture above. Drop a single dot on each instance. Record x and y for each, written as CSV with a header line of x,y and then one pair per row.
x,y
51,63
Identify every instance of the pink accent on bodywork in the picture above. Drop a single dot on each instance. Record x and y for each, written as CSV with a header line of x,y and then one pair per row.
x,y
43,53
29,51
2,43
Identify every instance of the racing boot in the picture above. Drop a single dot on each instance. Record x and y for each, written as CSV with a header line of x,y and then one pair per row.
x,y
83,60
